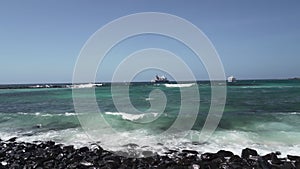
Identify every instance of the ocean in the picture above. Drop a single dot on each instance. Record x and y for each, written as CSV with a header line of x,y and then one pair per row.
x,y
259,114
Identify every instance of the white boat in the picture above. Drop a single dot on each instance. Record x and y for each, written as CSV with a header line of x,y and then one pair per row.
x,y
160,79
231,79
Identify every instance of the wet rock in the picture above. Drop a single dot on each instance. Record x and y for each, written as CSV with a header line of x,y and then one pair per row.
x,y
236,166
223,153
267,157
83,149
59,156
287,165
297,164
208,156
51,155
274,159
170,151
263,163
252,161
190,151
278,153
235,159
293,158
13,139
50,143
217,161
68,149
247,152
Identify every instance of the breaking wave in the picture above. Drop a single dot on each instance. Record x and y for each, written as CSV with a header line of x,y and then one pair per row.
x,y
132,117
89,85
180,85
47,114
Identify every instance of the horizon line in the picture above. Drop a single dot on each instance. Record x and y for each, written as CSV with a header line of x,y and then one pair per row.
x,y
244,79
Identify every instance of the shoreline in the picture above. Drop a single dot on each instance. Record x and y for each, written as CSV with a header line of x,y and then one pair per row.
x,y
48,154
58,84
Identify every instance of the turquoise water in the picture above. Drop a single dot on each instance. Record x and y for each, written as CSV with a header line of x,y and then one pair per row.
x,y
262,114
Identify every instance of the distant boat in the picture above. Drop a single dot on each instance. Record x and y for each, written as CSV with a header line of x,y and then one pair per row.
x,y
231,79
160,79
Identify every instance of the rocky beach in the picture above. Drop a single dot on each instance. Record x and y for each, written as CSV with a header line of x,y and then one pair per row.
x,y
42,155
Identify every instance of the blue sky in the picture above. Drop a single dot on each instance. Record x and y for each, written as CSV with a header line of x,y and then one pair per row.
x,y
41,40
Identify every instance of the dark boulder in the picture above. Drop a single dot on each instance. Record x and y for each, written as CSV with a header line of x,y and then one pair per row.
x,y
263,163
170,151
297,164
13,139
247,152
83,149
50,143
223,153
68,149
190,151
236,159
288,165
208,156
273,158
293,158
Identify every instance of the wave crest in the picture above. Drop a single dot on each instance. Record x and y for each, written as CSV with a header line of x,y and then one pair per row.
x,y
80,86
180,85
132,117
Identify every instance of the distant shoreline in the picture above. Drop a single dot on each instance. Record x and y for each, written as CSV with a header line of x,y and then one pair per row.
x,y
105,82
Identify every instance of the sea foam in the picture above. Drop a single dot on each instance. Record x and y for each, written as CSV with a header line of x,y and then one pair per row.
x,y
180,85
132,117
88,85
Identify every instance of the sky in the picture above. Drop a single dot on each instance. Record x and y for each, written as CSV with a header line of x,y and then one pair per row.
x,y
40,41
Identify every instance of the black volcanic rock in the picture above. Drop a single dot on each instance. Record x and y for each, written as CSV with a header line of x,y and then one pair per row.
x,y
223,153
190,151
263,163
44,155
287,165
275,160
297,164
293,158
83,149
247,152
208,156
13,139
235,159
